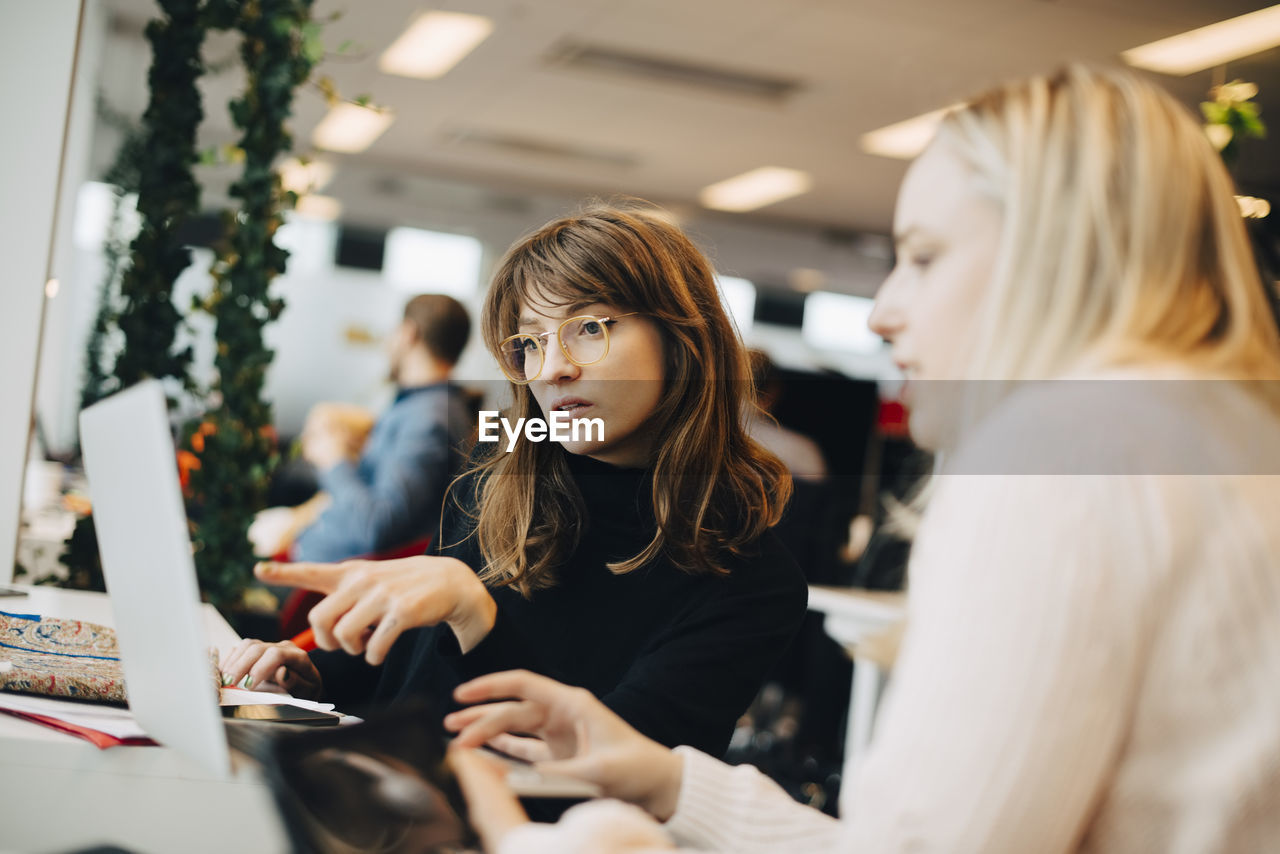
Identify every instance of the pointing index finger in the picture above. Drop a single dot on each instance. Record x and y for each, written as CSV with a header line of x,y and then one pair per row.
x,y
320,577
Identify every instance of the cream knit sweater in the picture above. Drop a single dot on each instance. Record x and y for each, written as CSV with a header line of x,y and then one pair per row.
x,y
1092,664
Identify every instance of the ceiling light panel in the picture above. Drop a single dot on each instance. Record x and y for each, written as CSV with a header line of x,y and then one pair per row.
x,y
756,189
301,177
434,43
906,139
1210,46
350,128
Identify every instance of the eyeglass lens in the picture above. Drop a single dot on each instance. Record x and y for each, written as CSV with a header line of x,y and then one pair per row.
x,y
585,340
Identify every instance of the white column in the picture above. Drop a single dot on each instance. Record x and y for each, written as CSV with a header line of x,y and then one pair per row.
x,y
69,316
35,95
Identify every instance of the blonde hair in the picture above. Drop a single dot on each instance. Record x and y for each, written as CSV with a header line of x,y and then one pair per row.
x,y
1122,242
1122,239
715,490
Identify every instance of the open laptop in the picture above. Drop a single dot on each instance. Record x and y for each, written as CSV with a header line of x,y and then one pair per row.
x,y
138,514
131,464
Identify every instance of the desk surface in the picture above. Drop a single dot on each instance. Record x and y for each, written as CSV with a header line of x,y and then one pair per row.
x,y
92,608
866,622
60,793
854,603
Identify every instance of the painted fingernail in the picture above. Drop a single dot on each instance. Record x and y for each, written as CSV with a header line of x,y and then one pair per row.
x,y
248,682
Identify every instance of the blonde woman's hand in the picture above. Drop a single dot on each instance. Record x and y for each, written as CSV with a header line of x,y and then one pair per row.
x,y
580,737
492,808
368,604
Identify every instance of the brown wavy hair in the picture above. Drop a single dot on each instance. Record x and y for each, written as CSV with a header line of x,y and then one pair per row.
x,y
715,490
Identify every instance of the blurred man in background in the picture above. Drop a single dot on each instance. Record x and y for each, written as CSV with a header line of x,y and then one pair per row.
x,y
382,482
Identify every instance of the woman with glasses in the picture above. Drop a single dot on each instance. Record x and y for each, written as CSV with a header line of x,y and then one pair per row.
x,y
1093,640
633,560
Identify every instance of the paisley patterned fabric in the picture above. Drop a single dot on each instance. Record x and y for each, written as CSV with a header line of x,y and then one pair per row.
x,y
60,658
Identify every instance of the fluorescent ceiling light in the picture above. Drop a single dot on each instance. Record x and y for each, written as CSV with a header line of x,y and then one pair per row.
x,y
906,139
1210,46
434,43
318,207
738,296
302,178
350,128
839,322
755,189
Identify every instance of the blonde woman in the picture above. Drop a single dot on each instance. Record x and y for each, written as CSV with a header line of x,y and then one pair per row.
x,y
1093,639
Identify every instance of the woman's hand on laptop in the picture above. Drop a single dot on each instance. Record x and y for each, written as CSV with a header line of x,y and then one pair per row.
x,y
368,604
280,666
584,738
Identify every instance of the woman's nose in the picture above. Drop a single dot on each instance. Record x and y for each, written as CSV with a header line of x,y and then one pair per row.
x,y
557,367
886,316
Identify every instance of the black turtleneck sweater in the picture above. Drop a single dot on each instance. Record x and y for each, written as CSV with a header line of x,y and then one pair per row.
x,y
678,656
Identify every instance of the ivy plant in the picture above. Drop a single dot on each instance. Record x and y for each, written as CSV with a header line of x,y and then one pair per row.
x,y
1231,117
236,447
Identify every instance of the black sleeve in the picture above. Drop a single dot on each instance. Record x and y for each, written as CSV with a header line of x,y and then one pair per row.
x,y
693,682
352,683
691,686
347,681
505,647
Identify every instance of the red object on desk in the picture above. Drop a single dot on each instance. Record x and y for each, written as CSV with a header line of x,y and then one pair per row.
x,y
305,639
97,737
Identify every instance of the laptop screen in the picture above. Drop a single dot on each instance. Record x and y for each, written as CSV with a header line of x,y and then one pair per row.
x,y
141,524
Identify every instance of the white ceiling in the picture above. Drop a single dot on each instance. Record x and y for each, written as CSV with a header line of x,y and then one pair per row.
x,y
859,64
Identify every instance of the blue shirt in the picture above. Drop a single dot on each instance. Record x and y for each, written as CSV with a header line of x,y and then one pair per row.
x,y
393,494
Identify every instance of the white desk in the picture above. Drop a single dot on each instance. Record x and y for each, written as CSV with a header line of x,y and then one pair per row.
x,y
851,618
58,792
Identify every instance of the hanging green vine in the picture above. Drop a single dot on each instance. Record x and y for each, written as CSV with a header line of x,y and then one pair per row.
x,y
167,196
227,457
235,444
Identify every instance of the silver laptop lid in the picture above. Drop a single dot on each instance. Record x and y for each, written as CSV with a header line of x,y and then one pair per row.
x,y
141,524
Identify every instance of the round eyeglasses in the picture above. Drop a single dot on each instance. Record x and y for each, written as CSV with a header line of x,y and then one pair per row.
x,y
584,340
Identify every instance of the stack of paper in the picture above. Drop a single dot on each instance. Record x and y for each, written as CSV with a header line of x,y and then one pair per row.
x,y
105,726
113,726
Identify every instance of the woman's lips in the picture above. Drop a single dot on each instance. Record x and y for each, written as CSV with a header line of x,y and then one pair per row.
x,y
571,405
